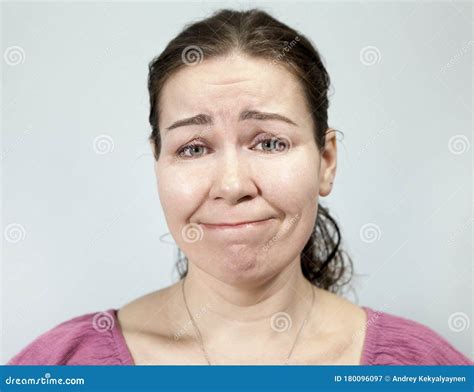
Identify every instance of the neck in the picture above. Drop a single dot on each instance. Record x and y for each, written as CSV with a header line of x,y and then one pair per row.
x,y
225,314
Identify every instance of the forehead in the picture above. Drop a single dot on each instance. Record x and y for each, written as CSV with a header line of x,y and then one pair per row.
x,y
228,84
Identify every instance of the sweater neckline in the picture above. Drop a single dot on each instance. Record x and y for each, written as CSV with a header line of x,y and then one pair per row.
x,y
126,358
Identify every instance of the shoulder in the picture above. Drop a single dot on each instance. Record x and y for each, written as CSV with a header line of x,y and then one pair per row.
x,y
337,329
153,313
395,340
89,339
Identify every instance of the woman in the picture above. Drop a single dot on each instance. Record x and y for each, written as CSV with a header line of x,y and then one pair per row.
x,y
243,152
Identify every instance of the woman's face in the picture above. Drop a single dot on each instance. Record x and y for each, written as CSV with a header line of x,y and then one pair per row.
x,y
238,146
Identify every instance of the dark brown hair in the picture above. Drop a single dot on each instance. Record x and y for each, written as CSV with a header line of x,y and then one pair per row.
x,y
256,33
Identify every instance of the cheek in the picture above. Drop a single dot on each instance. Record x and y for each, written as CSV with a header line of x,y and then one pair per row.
x,y
292,187
180,192
290,184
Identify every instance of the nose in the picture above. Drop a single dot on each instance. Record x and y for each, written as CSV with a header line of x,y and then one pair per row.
x,y
233,181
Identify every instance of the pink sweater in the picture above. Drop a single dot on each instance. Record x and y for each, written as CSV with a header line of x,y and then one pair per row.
x,y
97,339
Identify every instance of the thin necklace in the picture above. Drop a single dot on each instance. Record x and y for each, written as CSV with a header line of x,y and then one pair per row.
x,y
201,342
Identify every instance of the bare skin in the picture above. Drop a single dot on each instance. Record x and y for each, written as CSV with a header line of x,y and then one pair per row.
x,y
238,280
334,334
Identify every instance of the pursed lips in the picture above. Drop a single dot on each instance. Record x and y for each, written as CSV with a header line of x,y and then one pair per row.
x,y
236,224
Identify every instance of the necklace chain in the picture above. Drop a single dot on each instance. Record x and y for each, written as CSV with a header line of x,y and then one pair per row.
x,y
201,342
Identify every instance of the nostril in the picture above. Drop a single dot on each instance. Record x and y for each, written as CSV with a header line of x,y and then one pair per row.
x,y
245,198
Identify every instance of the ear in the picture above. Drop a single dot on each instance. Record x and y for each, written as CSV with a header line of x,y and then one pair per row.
x,y
327,170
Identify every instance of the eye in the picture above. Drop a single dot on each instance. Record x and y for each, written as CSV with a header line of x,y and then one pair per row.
x,y
270,144
273,144
191,150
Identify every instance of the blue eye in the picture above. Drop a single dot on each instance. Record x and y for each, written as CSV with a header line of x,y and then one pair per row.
x,y
193,148
273,144
270,144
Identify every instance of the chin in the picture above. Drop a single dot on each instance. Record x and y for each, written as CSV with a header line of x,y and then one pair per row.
x,y
241,267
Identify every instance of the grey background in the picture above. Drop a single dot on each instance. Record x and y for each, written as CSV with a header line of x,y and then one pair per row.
x,y
82,221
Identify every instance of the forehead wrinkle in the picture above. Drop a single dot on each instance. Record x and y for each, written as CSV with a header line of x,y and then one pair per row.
x,y
221,95
227,82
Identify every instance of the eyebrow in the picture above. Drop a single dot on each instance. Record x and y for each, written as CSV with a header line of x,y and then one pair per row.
x,y
204,119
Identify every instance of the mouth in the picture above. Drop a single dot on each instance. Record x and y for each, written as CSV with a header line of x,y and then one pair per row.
x,y
237,225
